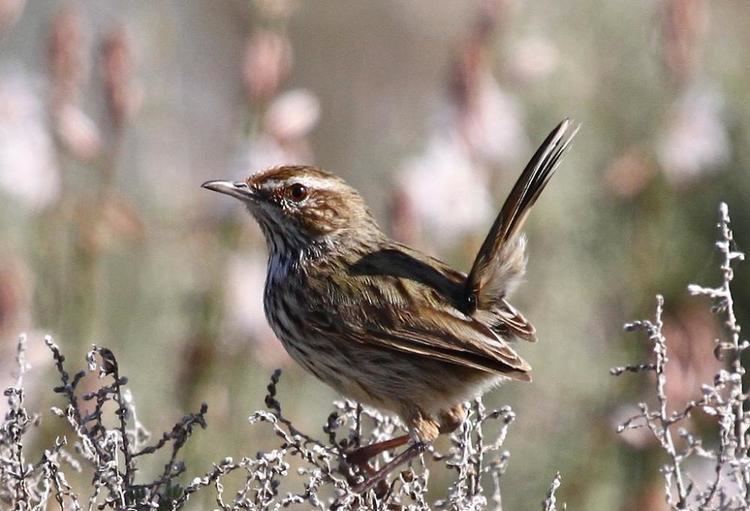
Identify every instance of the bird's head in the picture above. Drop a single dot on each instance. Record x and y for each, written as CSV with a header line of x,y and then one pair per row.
x,y
299,204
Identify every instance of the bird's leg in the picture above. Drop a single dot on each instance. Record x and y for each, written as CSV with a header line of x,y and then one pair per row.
x,y
424,429
411,452
362,455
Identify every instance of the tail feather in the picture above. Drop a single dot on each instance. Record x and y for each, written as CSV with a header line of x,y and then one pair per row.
x,y
501,260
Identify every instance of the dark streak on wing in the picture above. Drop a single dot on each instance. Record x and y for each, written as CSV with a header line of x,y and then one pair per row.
x,y
447,282
397,262
439,330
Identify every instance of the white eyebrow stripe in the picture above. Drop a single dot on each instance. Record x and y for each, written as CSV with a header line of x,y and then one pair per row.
x,y
308,181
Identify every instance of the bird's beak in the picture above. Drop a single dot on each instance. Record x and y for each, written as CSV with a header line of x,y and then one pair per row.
x,y
237,189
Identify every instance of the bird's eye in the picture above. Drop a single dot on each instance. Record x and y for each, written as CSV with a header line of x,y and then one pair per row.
x,y
297,192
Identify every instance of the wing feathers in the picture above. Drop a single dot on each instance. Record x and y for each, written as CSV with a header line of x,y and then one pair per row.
x,y
395,306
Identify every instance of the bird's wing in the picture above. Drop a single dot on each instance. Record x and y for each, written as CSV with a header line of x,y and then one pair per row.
x,y
507,321
402,303
501,260
502,318
463,341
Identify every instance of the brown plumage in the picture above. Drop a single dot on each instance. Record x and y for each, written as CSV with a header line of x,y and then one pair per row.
x,y
383,323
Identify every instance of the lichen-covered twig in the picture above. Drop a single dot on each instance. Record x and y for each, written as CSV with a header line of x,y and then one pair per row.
x,y
110,444
109,453
550,502
328,483
723,398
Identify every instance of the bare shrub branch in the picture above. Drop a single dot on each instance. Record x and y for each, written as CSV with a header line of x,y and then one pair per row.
x,y
722,399
110,442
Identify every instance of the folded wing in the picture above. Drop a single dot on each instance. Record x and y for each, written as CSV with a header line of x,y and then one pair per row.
x,y
401,303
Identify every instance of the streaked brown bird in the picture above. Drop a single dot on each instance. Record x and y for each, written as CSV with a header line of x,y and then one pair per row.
x,y
381,322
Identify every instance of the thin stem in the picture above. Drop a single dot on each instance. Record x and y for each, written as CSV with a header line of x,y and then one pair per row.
x,y
660,348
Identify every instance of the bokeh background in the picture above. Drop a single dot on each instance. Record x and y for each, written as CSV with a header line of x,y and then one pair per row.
x,y
112,113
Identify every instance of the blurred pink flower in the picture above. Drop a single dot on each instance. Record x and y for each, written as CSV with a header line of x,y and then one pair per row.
x,y
122,97
28,169
284,137
690,332
695,141
260,152
66,56
492,127
16,285
268,60
628,174
292,115
10,10
446,192
77,133
684,23
451,174
534,58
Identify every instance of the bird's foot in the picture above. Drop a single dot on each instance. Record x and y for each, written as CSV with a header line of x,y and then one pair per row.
x,y
355,464
361,456
377,479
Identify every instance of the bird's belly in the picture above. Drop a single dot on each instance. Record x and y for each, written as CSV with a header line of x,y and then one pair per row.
x,y
371,374
319,355
327,359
